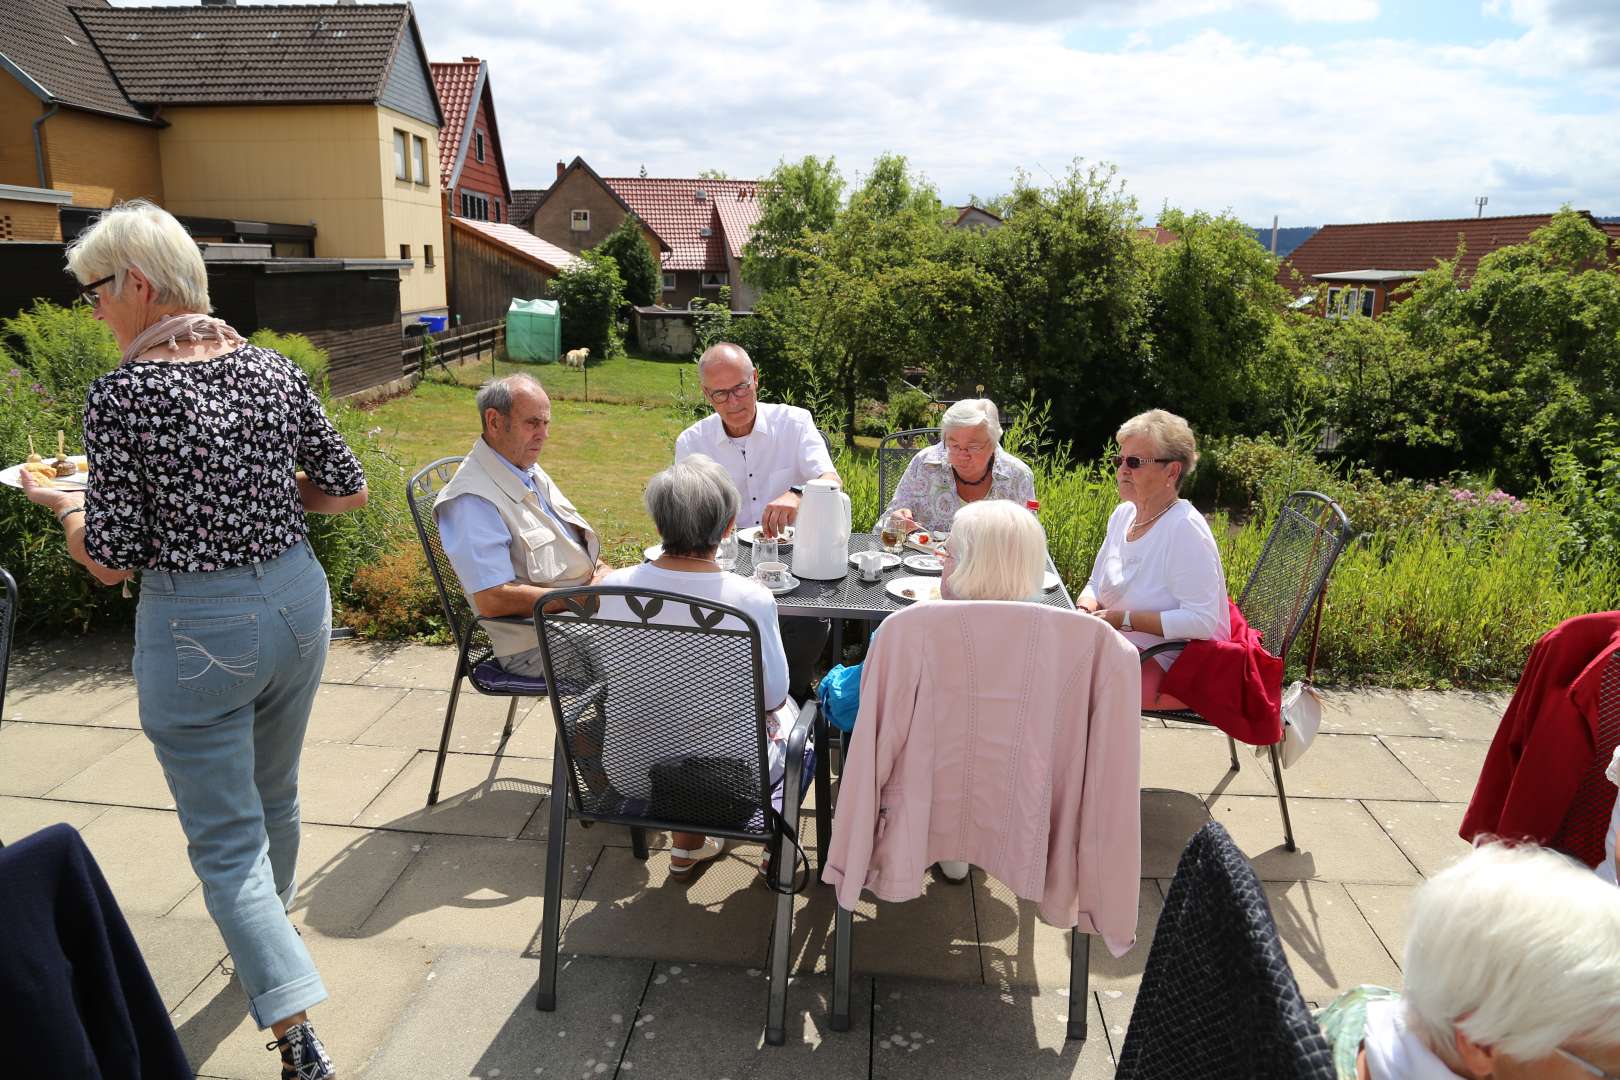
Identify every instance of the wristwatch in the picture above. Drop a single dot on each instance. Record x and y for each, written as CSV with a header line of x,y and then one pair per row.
x,y
797,489
1125,622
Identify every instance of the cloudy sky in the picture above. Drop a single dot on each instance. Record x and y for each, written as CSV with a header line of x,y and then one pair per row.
x,y
1314,110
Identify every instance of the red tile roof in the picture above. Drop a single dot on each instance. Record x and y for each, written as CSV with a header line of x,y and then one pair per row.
x,y
456,83
729,210
521,242
1161,237
524,203
1403,245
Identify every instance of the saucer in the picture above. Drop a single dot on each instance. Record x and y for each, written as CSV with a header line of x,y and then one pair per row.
x,y
913,589
888,561
787,587
924,564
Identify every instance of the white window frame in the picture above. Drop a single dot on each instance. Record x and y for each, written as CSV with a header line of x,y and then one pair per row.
x,y
579,221
1368,302
669,281
419,159
402,161
716,279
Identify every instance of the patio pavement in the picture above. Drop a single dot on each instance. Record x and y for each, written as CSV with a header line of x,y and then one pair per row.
x,y
424,922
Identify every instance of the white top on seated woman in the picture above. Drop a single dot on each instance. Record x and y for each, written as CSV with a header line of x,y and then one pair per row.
x,y
966,466
1158,574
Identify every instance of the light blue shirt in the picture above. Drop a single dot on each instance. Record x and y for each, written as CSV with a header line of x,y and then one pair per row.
x,y
478,543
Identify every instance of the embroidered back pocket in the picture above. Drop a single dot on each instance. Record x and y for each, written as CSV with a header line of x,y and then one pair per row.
x,y
215,656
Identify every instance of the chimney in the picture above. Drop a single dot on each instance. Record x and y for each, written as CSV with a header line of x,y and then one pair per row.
x,y
561,168
470,60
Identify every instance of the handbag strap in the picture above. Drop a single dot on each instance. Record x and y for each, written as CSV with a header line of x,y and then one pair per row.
x,y
795,885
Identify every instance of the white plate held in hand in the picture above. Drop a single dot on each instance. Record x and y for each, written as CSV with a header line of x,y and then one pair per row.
x,y
750,534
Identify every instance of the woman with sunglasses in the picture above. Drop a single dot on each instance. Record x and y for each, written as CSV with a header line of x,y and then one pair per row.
x,y
1158,574
965,466
205,454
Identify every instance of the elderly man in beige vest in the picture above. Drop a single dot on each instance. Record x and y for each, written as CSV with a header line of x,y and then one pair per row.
x,y
508,530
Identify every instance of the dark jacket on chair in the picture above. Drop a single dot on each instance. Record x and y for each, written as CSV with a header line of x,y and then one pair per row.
x,y
1218,1000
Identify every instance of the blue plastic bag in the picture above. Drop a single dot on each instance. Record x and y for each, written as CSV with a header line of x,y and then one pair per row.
x,y
840,694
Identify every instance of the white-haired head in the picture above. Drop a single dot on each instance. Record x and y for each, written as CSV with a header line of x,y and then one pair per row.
x,y
1518,948
972,413
999,550
140,235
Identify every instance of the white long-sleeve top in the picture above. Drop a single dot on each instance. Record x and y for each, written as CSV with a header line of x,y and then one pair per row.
x,y
1175,570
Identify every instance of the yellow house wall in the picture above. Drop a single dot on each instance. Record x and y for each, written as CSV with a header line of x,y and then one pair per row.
x,y
23,220
331,166
99,159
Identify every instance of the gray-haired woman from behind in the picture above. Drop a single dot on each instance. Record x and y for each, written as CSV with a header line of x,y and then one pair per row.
x,y
205,454
694,504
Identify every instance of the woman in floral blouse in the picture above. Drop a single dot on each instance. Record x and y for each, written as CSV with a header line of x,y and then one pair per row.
x,y
205,454
966,465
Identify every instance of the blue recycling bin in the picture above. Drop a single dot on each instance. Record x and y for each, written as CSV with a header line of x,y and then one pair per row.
x,y
436,324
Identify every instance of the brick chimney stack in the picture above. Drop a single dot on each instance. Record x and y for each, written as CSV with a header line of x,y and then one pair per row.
x,y
561,168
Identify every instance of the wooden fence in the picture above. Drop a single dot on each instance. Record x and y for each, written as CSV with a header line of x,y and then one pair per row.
x,y
456,343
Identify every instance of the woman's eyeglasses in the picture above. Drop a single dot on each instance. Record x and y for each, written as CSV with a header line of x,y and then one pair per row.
x,y
1132,461
1584,1064
89,294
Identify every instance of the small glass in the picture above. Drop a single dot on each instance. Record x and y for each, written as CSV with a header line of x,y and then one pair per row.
x,y
891,532
767,549
725,556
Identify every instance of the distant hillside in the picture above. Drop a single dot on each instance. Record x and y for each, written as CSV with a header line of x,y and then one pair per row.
x,y
1610,220
1287,239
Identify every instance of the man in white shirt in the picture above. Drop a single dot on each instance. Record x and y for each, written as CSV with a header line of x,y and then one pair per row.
x,y
508,530
770,451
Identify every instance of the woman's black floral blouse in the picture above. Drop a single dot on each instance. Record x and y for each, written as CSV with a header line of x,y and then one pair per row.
x,y
192,464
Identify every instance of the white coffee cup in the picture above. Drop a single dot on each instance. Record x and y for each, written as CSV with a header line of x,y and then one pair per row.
x,y
773,575
870,564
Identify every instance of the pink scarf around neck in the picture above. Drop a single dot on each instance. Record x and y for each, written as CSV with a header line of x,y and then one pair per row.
x,y
190,326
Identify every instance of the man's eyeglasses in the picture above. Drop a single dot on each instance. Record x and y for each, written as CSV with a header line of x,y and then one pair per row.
x,y
1587,1065
1132,461
89,294
720,397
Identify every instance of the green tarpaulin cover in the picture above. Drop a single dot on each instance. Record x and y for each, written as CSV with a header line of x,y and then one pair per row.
x,y
534,331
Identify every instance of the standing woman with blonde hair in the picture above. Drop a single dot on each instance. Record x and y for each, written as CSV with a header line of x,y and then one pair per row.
x,y
205,453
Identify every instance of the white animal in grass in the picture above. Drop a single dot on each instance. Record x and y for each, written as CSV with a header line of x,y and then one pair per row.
x,y
575,358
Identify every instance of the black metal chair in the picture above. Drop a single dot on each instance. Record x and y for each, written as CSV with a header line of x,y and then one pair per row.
x,y
475,658
1289,584
894,453
8,623
662,726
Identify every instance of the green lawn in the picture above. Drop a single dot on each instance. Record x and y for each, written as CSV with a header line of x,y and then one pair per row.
x,y
600,454
639,379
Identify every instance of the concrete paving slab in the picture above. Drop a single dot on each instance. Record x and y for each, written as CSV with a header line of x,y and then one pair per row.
x,y
342,711
1460,714
129,776
417,721
536,733
346,661
1329,944
1018,949
1338,840
475,1017
34,758
1386,909
1116,1007
108,652
1169,819
463,890
706,1020
426,666
343,875
1196,760
1349,767
1447,767
179,952
336,782
1372,712
126,714
931,937
924,1029
478,796
21,817
142,853
70,698
1426,832
370,983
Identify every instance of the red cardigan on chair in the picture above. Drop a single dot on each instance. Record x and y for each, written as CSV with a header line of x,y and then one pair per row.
x,y
1235,685
1547,738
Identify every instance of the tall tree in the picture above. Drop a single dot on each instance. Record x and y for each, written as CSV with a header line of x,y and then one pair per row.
x,y
799,200
639,271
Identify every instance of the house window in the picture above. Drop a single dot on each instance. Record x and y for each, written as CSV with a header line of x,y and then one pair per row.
x,y
713,280
419,159
427,255
669,281
579,221
495,215
478,145
402,167
474,206
1367,302
405,252
1335,300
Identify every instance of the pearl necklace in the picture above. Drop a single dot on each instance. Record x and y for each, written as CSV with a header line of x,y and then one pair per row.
x,y
1140,527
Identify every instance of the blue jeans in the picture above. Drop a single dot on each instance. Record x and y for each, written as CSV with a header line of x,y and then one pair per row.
x,y
227,663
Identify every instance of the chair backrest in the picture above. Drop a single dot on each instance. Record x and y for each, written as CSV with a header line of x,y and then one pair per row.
x,y
1304,543
8,623
1586,824
420,493
659,704
895,451
1218,1000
